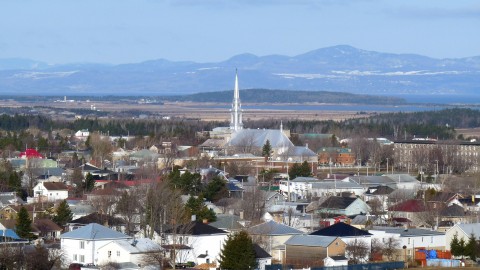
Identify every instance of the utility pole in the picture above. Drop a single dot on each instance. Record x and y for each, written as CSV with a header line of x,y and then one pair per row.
x,y
387,165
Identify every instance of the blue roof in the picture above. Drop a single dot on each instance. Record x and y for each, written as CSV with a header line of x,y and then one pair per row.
x,y
9,233
94,231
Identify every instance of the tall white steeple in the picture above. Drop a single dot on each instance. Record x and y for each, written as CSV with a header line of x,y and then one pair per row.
x,y
236,111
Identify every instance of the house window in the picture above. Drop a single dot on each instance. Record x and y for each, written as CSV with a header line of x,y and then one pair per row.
x,y
409,241
431,239
82,244
109,253
422,239
82,258
118,253
75,258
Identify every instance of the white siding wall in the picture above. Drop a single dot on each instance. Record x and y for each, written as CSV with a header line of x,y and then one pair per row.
x,y
199,244
72,247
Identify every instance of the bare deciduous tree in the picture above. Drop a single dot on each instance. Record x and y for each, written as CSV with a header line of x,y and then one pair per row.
x,y
357,251
390,248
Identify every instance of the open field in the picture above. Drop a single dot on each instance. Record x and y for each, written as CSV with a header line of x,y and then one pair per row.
x,y
202,111
469,132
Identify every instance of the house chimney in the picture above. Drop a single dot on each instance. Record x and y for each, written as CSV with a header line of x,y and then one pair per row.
x,y
194,217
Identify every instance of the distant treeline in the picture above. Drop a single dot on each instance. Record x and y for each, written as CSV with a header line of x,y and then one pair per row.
x,y
436,124
286,96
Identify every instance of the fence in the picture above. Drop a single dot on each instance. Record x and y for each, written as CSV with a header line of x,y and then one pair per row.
x,y
367,266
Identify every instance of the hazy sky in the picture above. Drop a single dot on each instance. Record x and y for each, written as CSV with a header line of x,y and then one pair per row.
x,y
122,31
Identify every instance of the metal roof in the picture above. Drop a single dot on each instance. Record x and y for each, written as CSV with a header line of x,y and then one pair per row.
x,y
258,138
470,228
408,232
337,184
310,240
134,246
94,231
273,228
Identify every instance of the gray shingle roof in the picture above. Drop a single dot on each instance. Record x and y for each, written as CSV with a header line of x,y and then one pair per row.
x,y
310,240
335,202
273,228
94,231
227,222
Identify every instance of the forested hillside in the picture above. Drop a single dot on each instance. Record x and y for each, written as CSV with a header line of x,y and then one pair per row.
x,y
287,96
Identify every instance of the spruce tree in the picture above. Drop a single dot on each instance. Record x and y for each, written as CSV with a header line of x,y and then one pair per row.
x,y
267,150
455,246
238,252
24,224
89,183
64,214
471,247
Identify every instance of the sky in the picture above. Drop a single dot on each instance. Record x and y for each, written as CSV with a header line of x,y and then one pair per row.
x,y
128,31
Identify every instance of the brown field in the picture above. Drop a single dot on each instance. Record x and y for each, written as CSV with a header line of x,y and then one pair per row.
x,y
469,132
202,111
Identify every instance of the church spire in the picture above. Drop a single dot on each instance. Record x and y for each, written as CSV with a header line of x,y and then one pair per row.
x,y
236,111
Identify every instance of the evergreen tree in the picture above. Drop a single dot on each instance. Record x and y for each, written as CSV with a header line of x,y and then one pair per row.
x,y
471,248
216,189
24,224
89,183
267,150
455,246
461,247
300,170
64,214
197,207
238,252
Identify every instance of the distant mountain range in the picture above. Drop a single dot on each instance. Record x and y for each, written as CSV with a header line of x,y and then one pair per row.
x,y
337,69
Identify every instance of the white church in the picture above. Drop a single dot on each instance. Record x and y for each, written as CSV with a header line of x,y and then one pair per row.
x,y
236,140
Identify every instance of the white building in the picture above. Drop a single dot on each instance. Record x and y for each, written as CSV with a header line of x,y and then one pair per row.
x,y
82,134
124,251
195,242
410,238
50,191
81,245
463,231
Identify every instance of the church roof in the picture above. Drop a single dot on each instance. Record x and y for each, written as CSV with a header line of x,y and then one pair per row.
x,y
258,137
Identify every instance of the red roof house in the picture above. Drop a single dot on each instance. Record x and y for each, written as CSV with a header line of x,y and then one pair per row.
x,y
30,153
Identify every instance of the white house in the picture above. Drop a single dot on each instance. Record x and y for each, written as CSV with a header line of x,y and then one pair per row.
x,y
50,191
192,241
81,245
82,134
410,238
124,251
463,231
326,188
